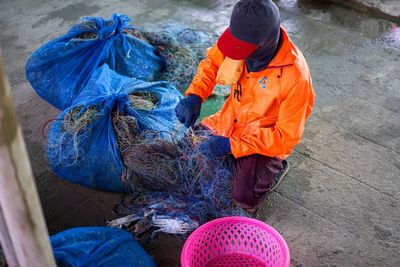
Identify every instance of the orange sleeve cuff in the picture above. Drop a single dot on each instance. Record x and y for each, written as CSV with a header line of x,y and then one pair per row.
x,y
236,148
192,90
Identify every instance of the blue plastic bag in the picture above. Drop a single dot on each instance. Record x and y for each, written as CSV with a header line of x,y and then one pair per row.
x,y
98,246
89,155
59,69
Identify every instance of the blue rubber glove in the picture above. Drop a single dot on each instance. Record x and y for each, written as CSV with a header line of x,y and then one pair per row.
x,y
216,146
188,110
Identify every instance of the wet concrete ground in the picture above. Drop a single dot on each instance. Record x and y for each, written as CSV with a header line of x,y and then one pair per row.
x,y
387,9
339,205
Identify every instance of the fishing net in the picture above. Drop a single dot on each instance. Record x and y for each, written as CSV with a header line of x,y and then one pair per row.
x,y
118,132
60,69
86,141
181,51
173,187
143,100
198,41
76,121
126,127
73,132
126,131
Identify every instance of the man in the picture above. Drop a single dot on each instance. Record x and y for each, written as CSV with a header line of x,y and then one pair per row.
x,y
271,98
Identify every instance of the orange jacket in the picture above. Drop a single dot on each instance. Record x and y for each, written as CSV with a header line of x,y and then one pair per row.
x,y
266,110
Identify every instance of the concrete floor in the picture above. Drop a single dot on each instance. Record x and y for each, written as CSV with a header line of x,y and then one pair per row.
x,y
339,205
387,9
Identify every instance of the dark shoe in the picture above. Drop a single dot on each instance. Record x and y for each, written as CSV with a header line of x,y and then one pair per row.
x,y
253,212
281,175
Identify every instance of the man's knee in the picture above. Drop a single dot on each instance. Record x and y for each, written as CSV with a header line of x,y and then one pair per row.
x,y
254,176
243,181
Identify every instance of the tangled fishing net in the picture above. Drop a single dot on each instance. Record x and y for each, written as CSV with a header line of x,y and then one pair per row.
x,y
76,120
79,117
173,187
181,53
143,100
180,48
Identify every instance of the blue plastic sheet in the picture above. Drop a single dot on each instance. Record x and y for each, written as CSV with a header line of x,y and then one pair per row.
x,y
90,156
59,69
98,246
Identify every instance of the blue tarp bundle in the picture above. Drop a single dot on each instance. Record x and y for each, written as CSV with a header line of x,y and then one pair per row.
x,y
98,246
60,69
89,73
90,155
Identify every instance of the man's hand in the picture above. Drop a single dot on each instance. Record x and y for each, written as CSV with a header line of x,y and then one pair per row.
x,y
216,146
188,110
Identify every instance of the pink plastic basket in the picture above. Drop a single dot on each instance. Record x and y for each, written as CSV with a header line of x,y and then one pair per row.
x,y
235,242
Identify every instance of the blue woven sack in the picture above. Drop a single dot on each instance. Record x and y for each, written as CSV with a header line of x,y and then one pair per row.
x,y
82,145
98,246
60,69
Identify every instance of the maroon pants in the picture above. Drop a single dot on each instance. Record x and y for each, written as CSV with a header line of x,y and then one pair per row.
x,y
253,178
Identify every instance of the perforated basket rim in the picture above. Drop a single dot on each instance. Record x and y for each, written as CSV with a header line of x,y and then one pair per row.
x,y
258,223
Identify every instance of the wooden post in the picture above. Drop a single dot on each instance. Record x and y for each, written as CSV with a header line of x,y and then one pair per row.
x,y
19,201
6,243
